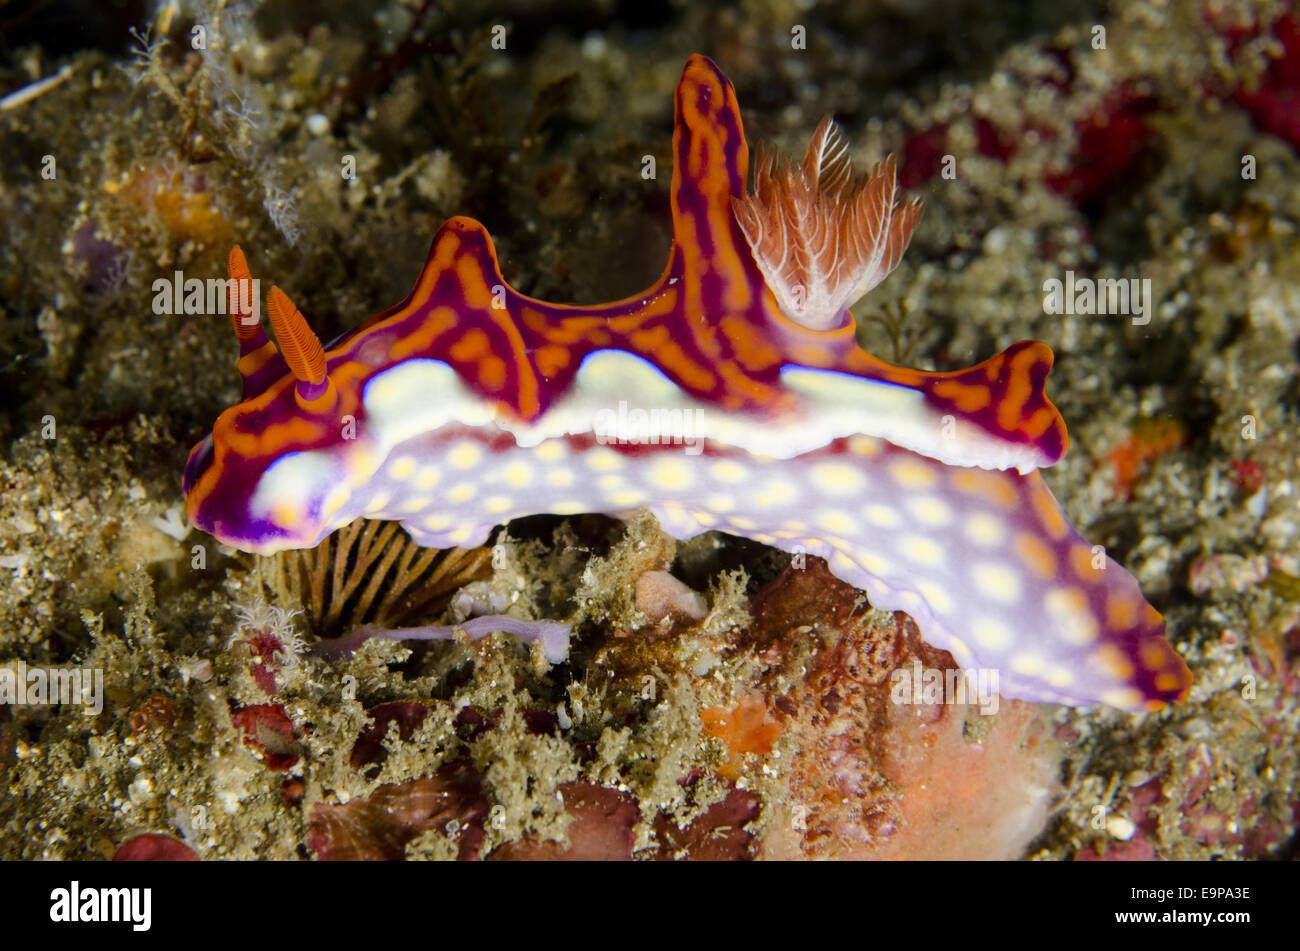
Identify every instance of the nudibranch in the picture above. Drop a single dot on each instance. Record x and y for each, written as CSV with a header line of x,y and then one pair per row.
x,y
729,395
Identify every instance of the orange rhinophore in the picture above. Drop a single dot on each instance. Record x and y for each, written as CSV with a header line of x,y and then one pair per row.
x,y
302,351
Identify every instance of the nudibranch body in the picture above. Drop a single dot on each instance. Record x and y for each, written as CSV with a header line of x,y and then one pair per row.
x,y
730,395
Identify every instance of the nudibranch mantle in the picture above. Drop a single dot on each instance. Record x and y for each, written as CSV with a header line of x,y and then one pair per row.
x,y
730,395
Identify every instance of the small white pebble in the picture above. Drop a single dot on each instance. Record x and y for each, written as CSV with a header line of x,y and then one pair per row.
x,y
1121,827
318,123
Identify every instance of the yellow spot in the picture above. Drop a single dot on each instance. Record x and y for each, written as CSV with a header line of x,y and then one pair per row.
x,y
929,510
334,501
882,516
1081,562
935,596
1069,608
744,524
922,550
427,478
464,454
670,472
286,512
728,471
866,446
568,507
837,478
983,529
1059,677
995,487
378,503
460,536
991,633
462,492
1121,612
1126,698
912,474
401,468
836,522
960,651
553,450
1167,682
707,520
1111,660
776,493
608,483
603,459
1027,664
1048,512
720,502
873,562
561,477
1038,558
518,473
842,565
438,522
361,464
496,504
1154,654
997,581
628,497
